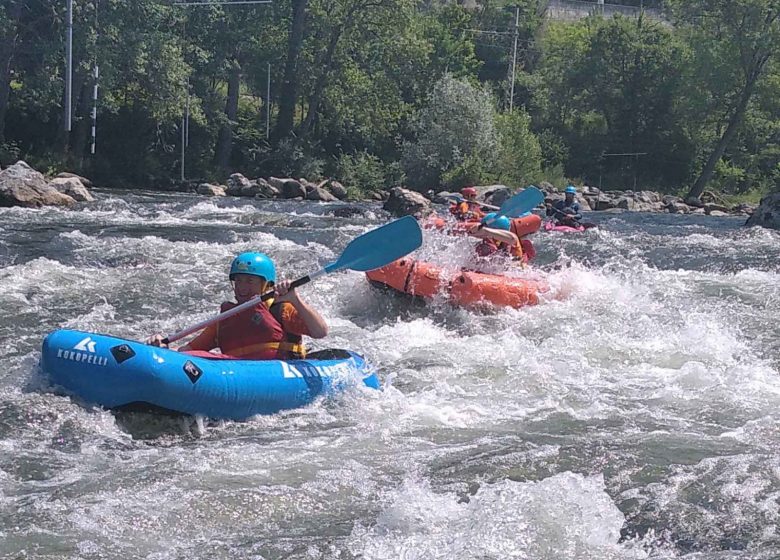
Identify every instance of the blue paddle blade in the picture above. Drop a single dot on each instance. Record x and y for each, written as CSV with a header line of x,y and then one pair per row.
x,y
380,246
522,202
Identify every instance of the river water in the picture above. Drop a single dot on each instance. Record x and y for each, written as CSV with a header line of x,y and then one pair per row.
x,y
632,414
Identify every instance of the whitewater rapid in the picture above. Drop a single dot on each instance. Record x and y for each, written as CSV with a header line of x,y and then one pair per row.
x,y
632,414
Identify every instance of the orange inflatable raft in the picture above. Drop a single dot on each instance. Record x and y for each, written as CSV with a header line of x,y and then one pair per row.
x,y
520,226
465,289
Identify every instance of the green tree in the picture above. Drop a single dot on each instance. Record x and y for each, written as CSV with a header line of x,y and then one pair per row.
x,y
519,157
454,127
10,19
610,87
738,39
288,93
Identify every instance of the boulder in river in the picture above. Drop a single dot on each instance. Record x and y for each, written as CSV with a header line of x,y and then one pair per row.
x,y
318,193
211,190
292,189
336,189
66,175
768,212
21,185
265,189
403,202
73,187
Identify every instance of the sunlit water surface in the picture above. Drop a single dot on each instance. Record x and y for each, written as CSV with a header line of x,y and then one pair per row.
x,y
632,414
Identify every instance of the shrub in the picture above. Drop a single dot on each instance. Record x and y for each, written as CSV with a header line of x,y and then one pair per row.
x,y
454,129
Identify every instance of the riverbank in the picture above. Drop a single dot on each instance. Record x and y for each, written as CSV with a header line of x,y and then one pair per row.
x,y
21,185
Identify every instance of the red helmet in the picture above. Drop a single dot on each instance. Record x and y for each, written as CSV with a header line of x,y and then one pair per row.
x,y
468,191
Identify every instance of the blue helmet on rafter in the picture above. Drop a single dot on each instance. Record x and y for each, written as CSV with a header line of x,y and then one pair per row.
x,y
255,264
571,189
496,221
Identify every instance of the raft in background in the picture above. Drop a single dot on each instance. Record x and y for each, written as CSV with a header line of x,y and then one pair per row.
x,y
524,225
117,373
465,289
549,225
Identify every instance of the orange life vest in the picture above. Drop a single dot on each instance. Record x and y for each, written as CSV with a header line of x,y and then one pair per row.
x,y
488,247
467,210
257,334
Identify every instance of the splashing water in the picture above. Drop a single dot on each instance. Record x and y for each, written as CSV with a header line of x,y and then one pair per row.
x,y
632,414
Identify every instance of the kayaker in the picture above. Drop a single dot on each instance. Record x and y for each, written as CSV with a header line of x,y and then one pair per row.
x,y
566,212
467,210
497,238
271,330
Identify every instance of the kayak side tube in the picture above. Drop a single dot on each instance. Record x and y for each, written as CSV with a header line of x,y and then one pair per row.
x,y
114,372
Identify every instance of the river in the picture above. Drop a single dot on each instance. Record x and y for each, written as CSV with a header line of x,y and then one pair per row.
x,y
632,414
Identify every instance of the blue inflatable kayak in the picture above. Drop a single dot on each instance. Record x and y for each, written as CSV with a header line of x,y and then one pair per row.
x,y
114,373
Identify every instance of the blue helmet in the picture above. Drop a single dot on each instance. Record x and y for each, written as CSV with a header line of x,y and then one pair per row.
x,y
256,264
497,221
571,189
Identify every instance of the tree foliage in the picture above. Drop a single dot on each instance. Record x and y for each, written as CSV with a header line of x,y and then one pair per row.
x,y
363,89
453,129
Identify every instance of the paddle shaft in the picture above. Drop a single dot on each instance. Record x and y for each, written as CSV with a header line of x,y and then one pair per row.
x,y
371,250
239,308
459,199
562,213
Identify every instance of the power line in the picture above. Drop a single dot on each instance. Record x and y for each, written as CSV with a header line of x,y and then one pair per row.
x,y
222,3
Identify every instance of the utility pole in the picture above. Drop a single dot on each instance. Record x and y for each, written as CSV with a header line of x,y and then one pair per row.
x,y
185,129
635,155
94,108
268,105
514,60
69,66
513,64
96,75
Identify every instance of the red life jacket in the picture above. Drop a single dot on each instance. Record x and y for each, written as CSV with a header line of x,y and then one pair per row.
x,y
487,247
257,334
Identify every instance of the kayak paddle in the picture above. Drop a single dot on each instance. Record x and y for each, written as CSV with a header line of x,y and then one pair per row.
x,y
459,198
371,250
524,201
519,204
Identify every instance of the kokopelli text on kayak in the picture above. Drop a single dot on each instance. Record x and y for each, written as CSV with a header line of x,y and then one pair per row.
x,y
83,357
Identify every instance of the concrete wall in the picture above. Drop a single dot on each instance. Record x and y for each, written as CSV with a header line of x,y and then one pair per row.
x,y
572,10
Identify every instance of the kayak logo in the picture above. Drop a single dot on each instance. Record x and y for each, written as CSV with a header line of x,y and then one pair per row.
x,y
86,345
291,371
312,376
82,357
305,370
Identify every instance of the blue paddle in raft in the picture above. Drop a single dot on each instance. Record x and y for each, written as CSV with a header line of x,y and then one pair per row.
x,y
524,201
373,249
519,204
